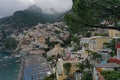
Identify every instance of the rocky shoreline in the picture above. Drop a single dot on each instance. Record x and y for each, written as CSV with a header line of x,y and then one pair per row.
x,y
14,54
7,51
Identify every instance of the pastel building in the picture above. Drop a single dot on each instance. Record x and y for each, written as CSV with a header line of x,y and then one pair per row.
x,y
84,41
60,71
114,33
96,43
55,51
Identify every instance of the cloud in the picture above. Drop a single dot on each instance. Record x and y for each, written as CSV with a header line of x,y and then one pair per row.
x,y
59,5
8,7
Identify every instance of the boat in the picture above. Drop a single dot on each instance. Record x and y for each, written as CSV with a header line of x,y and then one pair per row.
x,y
18,61
6,57
1,59
4,64
17,56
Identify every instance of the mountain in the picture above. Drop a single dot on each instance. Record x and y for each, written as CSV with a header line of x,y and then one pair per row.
x,y
61,18
21,20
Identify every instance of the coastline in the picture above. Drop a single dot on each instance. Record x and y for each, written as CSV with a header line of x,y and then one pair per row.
x,y
9,67
7,51
14,54
21,70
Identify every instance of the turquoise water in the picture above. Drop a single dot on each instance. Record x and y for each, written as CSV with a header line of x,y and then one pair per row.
x,y
8,67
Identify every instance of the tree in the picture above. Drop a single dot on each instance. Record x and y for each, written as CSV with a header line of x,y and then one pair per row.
x,y
81,67
44,55
95,55
112,45
111,75
88,65
87,14
106,45
50,58
87,76
10,43
87,34
67,67
75,39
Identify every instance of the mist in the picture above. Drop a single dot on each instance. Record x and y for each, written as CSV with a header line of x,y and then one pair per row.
x,y
8,7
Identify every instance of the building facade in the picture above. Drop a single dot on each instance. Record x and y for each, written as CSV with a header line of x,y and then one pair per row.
x,y
114,33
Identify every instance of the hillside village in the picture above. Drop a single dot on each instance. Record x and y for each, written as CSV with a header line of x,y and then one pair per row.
x,y
57,40
79,57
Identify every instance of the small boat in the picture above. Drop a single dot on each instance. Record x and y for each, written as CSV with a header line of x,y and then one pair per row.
x,y
4,64
17,56
1,59
18,61
9,63
5,57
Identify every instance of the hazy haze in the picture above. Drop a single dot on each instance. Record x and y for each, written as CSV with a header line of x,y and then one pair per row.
x,y
8,7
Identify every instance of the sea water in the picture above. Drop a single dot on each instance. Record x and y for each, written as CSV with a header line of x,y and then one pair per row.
x,y
9,69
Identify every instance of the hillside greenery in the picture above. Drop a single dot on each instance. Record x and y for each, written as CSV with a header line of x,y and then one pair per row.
x,y
29,17
111,75
10,43
112,45
93,13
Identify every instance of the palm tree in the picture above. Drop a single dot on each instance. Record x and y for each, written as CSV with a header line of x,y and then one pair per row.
x,y
81,67
67,67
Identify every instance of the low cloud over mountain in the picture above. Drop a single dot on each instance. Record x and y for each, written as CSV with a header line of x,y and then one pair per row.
x,y
8,7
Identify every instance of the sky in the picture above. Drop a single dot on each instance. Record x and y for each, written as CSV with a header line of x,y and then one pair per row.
x,y
8,7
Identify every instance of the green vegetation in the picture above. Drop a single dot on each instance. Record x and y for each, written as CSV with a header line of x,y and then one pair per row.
x,y
50,44
30,17
24,19
85,45
67,67
112,45
87,14
50,59
111,75
66,42
87,76
101,34
87,64
81,67
46,49
57,32
10,43
87,34
75,38
95,55
76,48
84,65
44,55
